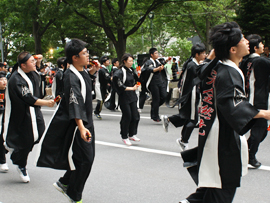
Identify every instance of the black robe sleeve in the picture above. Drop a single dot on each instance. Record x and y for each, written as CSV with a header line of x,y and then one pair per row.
x,y
232,101
73,97
118,81
17,87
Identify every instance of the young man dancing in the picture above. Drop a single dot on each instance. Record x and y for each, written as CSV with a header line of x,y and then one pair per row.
x,y
69,140
226,115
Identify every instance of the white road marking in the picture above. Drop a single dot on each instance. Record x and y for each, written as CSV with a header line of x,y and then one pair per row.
x,y
155,151
102,114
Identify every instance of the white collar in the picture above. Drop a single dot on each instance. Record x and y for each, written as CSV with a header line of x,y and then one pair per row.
x,y
228,62
254,55
154,61
195,61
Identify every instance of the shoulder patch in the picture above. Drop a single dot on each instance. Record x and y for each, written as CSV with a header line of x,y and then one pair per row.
x,y
72,97
238,96
25,90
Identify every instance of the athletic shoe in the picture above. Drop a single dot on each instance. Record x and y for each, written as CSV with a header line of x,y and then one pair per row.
x,y
157,120
184,146
60,187
23,174
135,138
127,142
4,168
184,201
72,201
165,122
98,116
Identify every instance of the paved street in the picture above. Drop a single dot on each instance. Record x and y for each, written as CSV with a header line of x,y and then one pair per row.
x,y
148,172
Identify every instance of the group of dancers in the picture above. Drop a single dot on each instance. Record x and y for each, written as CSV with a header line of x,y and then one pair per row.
x,y
217,96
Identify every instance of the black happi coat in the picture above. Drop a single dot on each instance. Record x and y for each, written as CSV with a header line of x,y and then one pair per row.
x,y
101,85
123,78
225,115
257,71
58,85
188,109
56,147
149,76
24,121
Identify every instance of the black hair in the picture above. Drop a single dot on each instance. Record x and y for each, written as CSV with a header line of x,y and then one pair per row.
x,y
2,74
197,49
254,41
103,59
125,58
162,61
1,65
61,61
152,51
73,48
223,37
114,61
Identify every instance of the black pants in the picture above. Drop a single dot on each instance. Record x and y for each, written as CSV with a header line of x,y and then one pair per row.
x,y
100,102
142,99
174,74
159,94
83,157
3,151
187,130
130,119
257,135
19,156
212,195
189,126
98,107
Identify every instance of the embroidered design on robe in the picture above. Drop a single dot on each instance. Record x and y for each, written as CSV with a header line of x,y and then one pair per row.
x,y
238,97
72,98
25,90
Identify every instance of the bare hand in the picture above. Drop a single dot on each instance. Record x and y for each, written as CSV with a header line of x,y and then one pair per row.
x,y
161,67
85,134
50,103
135,87
212,54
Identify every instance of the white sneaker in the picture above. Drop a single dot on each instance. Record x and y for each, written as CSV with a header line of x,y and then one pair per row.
x,y
184,146
165,122
184,201
127,142
23,174
4,168
135,138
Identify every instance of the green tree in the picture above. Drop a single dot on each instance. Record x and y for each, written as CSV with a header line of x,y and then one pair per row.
x,y
253,17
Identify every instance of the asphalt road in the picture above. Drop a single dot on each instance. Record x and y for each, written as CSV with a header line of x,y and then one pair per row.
x,y
148,172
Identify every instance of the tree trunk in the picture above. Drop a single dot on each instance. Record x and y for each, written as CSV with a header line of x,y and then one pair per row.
x,y
120,47
37,38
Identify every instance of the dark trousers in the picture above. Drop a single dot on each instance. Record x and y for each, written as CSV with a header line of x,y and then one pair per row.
x,y
174,74
130,120
98,107
99,102
142,99
19,157
212,195
257,135
3,151
159,94
189,126
187,130
83,157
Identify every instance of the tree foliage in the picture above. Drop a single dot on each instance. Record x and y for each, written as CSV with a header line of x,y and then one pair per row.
x,y
253,17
